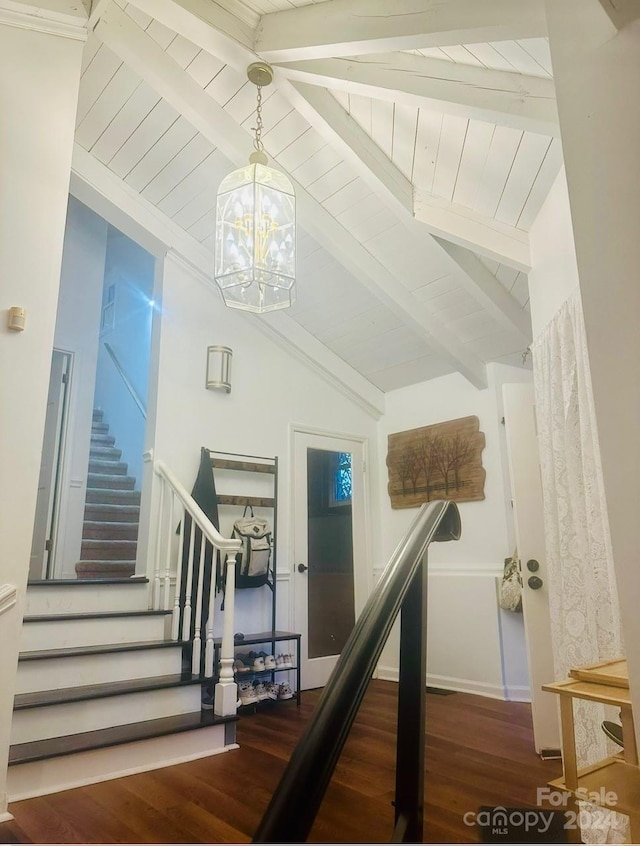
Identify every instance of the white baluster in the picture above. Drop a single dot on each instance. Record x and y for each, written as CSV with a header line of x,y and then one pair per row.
x,y
169,535
209,650
226,693
175,615
158,551
197,637
187,610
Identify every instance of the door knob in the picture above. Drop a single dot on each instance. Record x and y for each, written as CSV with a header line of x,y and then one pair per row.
x,y
532,565
302,568
535,582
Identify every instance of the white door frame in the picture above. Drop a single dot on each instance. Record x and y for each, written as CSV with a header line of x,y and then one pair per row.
x,y
361,536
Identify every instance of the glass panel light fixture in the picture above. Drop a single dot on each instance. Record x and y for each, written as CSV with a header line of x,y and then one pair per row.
x,y
219,368
256,227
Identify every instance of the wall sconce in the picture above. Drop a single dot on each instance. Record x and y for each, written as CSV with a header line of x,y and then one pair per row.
x,y
219,368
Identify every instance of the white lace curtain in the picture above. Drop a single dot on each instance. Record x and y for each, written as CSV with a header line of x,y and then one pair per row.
x,y
583,597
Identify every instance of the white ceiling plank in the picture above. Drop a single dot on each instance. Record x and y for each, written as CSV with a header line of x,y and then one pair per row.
x,y
225,85
343,98
350,194
360,111
331,182
204,68
119,199
122,127
382,125
160,33
176,138
178,168
502,152
469,229
146,134
452,138
172,83
484,287
521,60
317,165
549,170
409,373
526,165
405,123
91,47
427,145
300,149
286,131
182,51
474,157
489,57
97,75
539,49
523,102
357,27
204,177
113,97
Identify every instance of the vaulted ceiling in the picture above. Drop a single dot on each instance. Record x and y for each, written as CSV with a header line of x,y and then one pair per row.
x,y
421,139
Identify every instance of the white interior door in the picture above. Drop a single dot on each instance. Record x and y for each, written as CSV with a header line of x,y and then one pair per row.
x,y
526,489
329,545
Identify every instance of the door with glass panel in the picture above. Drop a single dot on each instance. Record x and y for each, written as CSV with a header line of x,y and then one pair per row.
x,y
329,549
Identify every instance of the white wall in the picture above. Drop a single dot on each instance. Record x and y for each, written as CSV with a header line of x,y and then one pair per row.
x,y
554,272
464,648
77,324
39,79
130,269
271,390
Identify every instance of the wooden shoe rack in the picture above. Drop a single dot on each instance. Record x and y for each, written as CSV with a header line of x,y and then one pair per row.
x,y
615,780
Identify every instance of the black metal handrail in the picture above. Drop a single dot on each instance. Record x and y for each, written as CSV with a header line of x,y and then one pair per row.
x,y
402,586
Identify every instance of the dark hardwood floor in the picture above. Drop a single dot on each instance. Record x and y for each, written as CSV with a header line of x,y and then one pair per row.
x,y
479,752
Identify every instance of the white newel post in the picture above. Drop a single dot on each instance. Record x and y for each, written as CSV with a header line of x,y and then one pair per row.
x,y
40,64
226,694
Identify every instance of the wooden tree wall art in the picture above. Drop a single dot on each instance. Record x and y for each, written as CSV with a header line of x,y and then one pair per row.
x,y
442,461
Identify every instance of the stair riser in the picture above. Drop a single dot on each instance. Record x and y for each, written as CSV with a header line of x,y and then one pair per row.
x,y
110,513
100,452
99,428
75,717
55,673
71,599
110,468
94,530
102,440
110,482
55,634
104,496
105,550
43,777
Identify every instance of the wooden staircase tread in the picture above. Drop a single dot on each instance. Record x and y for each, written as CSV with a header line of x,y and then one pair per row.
x,y
131,580
92,615
38,750
100,649
41,698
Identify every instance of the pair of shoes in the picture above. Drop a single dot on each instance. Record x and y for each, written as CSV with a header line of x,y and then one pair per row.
x,y
206,698
285,691
613,732
247,694
240,667
269,662
284,662
273,690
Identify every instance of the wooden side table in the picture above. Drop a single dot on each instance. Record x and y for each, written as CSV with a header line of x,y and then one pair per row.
x,y
613,783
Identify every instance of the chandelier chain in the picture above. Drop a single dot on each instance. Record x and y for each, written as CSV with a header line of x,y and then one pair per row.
x,y
257,143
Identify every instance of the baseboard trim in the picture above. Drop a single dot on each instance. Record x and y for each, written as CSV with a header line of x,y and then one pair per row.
x,y
5,816
518,693
41,778
491,691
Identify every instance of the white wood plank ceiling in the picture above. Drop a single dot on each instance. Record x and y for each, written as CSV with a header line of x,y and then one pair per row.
x,y
420,157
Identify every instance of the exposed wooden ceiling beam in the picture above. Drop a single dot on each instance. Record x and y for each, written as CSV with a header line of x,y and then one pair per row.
x,y
357,27
510,99
493,296
143,55
474,231
621,12
97,186
465,227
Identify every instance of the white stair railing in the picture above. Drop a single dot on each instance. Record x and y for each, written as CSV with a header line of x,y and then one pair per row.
x,y
176,510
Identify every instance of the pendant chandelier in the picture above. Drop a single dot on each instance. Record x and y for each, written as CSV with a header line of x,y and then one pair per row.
x,y
256,227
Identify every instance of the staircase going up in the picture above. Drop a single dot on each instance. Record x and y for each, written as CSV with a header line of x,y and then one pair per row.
x,y
112,510
102,691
